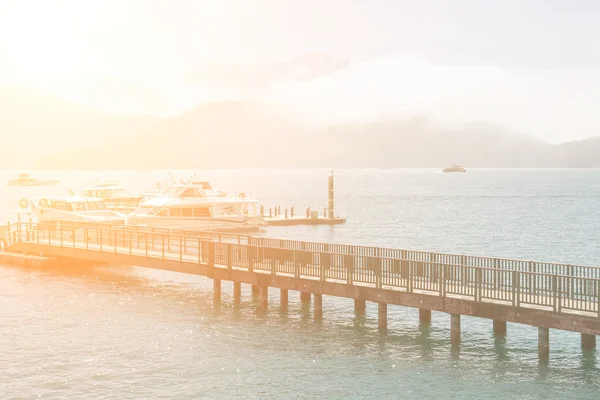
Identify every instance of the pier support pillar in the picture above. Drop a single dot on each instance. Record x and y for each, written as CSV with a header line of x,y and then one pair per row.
x,y
588,342
284,298
382,315
424,316
318,307
499,326
305,297
455,329
237,292
360,306
543,343
217,289
254,290
264,296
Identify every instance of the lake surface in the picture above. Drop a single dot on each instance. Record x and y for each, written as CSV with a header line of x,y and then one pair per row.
x,y
132,333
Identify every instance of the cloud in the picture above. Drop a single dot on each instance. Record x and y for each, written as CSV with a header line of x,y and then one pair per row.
x,y
555,105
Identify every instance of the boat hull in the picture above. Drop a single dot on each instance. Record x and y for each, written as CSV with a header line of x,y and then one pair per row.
x,y
221,224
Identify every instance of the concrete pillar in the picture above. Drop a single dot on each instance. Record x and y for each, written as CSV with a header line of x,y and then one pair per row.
x,y
424,316
543,343
360,306
284,298
264,296
254,290
237,292
499,326
217,289
318,306
305,297
455,329
588,342
382,315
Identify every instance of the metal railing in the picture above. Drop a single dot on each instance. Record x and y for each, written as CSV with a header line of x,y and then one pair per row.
x,y
556,287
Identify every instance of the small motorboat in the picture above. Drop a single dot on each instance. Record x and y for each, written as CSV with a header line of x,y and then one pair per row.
x,y
454,168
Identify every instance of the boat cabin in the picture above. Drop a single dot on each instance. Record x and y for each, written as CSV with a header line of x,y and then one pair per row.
x,y
194,201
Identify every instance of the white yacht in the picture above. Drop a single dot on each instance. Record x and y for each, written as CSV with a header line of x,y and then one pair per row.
x,y
72,209
192,207
113,195
28,180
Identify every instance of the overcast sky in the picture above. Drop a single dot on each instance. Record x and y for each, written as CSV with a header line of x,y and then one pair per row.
x,y
509,47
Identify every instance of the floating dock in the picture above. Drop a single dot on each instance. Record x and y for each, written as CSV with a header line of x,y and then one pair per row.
x,y
281,220
275,217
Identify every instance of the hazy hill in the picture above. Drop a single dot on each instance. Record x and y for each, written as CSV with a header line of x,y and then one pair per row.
x,y
252,80
38,131
36,127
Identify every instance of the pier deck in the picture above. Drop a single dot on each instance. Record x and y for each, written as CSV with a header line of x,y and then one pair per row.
x,y
545,295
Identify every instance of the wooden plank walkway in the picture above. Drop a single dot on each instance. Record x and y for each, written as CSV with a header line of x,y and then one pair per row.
x,y
546,295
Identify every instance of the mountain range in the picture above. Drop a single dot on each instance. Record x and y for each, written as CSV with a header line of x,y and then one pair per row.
x,y
38,131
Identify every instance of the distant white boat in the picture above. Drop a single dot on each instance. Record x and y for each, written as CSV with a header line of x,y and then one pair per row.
x,y
454,168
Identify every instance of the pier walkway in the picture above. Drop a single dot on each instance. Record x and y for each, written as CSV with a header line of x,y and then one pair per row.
x,y
541,294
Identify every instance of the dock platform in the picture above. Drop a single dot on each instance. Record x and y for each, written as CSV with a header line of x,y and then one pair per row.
x,y
281,220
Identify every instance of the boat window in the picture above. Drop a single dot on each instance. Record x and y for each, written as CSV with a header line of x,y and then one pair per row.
x,y
201,212
175,212
61,205
92,206
191,192
79,206
187,212
142,210
164,213
100,205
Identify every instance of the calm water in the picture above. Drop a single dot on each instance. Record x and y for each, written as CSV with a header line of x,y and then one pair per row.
x,y
133,333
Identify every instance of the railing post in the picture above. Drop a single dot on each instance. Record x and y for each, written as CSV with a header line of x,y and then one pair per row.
x,y
598,297
378,272
442,288
409,277
557,284
146,247
115,241
199,251
211,254
180,248
229,265
73,236
478,284
61,234
163,246
101,238
515,288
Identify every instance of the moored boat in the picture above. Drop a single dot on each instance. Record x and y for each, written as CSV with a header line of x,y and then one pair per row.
x,y
191,207
72,209
28,180
113,195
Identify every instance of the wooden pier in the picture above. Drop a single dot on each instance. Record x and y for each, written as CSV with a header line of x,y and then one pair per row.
x,y
541,294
